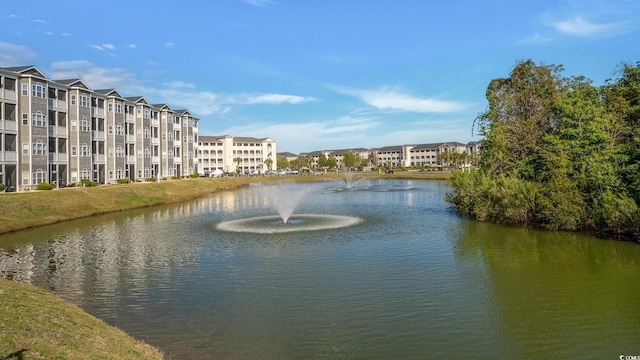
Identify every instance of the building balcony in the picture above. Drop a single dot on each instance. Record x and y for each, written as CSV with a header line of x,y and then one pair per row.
x,y
57,131
97,111
131,159
8,95
9,156
99,135
55,104
99,158
177,160
155,159
9,125
58,158
155,141
130,138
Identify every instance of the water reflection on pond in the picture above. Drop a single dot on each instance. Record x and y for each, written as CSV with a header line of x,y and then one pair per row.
x,y
411,280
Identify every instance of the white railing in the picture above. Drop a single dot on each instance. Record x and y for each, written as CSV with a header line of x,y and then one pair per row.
x,y
177,160
8,125
58,157
155,159
99,135
9,95
95,111
131,159
130,138
9,156
155,141
57,104
155,122
100,158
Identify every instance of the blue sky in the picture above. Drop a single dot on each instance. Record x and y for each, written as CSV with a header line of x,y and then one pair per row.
x,y
316,75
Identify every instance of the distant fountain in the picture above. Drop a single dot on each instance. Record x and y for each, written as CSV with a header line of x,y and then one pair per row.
x,y
284,199
350,179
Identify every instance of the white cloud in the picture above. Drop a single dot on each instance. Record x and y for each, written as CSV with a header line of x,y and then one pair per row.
x,y
109,46
14,55
309,136
96,77
258,2
577,26
386,98
275,99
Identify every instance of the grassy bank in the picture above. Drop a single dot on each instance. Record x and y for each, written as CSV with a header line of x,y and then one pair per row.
x,y
19,211
35,324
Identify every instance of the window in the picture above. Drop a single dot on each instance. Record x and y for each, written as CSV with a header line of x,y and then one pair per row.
x,y
110,129
119,107
146,133
25,119
110,152
110,107
84,125
38,90
119,129
84,150
25,89
84,100
74,151
119,151
38,119
38,148
25,148
38,177
147,153
73,99
25,178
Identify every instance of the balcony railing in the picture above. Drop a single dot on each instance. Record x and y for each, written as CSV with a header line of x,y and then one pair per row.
x,y
97,111
99,158
8,125
8,94
131,159
99,135
55,104
8,156
58,157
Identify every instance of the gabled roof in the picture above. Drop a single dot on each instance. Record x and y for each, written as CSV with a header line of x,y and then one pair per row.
x,y
137,99
109,92
27,70
162,106
74,83
286,154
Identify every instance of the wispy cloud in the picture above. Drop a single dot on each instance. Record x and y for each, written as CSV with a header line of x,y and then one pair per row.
x,y
209,103
276,99
577,20
103,47
96,77
260,3
329,134
387,98
14,55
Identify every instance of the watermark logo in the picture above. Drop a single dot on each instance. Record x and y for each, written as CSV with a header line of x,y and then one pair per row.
x,y
629,357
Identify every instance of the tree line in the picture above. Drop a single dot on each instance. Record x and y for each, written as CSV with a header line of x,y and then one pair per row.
x,y
557,152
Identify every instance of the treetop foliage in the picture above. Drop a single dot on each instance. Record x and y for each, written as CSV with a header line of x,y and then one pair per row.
x,y
557,152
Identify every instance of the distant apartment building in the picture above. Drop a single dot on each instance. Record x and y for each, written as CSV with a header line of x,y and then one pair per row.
x,y
433,154
62,131
236,154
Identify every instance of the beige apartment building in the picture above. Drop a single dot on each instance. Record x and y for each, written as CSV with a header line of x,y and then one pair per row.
x,y
246,155
62,131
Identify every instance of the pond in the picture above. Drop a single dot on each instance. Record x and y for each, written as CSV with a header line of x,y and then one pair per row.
x,y
404,278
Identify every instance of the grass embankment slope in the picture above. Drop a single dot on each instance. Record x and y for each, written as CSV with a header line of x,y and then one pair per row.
x,y
35,324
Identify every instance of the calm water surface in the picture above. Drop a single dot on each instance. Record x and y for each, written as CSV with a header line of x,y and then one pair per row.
x,y
411,280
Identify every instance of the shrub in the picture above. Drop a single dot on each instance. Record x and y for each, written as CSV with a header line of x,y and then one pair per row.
x,y
85,182
2,187
44,186
194,175
123,181
151,179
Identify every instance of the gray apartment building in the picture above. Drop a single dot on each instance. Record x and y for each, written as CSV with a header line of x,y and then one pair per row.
x,y
62,131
